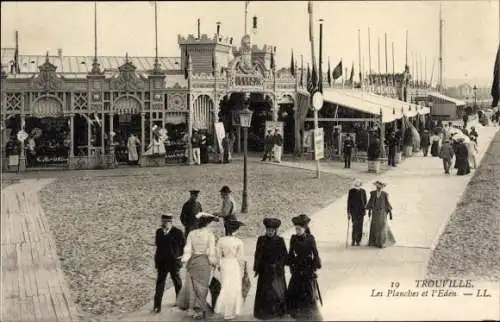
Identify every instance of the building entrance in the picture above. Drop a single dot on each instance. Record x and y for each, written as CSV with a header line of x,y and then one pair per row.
x,y
261,107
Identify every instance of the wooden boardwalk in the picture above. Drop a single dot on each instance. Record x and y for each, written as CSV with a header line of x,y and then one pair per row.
x,y
33,284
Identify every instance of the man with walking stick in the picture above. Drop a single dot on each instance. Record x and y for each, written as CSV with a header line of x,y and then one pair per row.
x,y
356,204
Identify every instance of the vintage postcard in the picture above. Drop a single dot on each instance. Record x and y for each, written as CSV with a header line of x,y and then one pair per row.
x,y
250,160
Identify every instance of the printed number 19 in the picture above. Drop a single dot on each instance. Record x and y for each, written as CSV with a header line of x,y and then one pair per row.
x,y
394,284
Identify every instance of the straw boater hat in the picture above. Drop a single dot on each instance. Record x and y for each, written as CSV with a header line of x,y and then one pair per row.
x,y
379,183
301,220
273,223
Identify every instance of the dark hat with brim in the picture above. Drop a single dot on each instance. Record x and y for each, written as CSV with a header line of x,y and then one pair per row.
x,y
301,220
233,225
225,189
379,183
205,218
194,192
273,223
167,217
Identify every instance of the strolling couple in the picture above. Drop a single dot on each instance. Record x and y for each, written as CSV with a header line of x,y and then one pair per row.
x,y
273,299
273,145
378,208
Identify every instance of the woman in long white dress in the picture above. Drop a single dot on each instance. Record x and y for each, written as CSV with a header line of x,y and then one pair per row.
x,y
230,255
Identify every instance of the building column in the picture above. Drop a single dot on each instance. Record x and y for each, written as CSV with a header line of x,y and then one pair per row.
x,y
143,138
103,125
22,157
190,130
111,138
89,138
276,108
72,136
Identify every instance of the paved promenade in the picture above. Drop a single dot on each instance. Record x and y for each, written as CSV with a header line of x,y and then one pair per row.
x,y
423,199
33,284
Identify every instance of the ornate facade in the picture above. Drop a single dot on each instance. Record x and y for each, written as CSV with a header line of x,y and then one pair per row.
x,y
208,70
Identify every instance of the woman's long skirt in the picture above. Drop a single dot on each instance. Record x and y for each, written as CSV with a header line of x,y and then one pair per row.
x,y
194,292
303,297
380,233
435,149
270,297
230,301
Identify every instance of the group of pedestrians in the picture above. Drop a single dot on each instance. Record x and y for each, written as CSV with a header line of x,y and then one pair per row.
x,y
449,144
218,267
272,146
378,207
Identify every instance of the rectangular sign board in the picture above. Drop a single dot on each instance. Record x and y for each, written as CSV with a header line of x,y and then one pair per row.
x,y
319,144
220,132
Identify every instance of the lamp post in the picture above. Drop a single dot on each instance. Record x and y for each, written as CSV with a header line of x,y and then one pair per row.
x,y
245,121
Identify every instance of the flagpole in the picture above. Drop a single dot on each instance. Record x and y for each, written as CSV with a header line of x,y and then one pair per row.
x,y
95,63
378,58
393,69
157,64
311,39
369,59
425,70
386,64
246,15
359,59
320,70
302,70
406,50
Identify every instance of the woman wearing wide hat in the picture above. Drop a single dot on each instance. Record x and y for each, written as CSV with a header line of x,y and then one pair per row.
x,y
378,208
269,265
303,290
230,254
227,210
200,258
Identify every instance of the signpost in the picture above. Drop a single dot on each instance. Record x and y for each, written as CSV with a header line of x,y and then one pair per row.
x,y
317,103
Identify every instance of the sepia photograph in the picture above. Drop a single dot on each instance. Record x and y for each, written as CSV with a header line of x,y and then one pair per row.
x,y
250,160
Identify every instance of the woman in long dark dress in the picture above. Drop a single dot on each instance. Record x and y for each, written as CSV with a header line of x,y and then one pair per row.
x,y
269,265
435,142
378,208
303,259
462,158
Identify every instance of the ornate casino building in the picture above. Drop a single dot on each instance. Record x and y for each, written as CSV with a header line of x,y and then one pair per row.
x,y
80,109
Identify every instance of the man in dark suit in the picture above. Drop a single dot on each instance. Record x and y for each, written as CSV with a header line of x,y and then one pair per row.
x,y
268,145
392,142
169,243
189,211
356,203
347,150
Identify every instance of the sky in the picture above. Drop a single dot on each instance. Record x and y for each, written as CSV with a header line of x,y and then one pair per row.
x,y
471,30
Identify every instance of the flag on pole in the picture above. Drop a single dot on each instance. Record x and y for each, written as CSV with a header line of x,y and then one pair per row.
x,y
312,85
495,87
292,65
351,78
329,73
337,72
308,75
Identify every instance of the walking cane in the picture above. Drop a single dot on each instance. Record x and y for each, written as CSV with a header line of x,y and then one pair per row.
x,y
347,235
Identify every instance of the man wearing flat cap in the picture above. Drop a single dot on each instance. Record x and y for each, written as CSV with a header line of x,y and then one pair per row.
x,y
227,209
170,244
269,265
189,211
